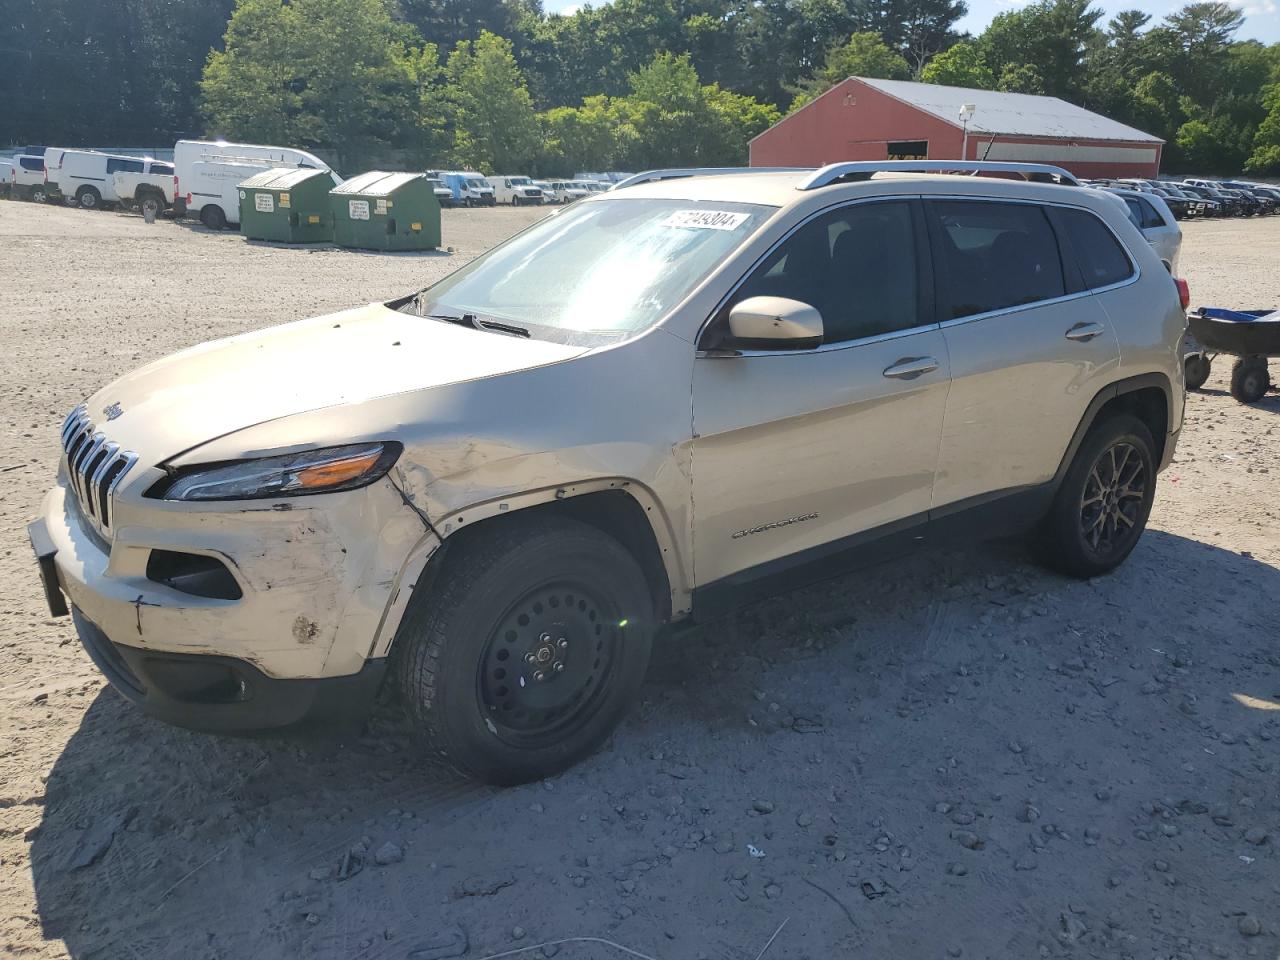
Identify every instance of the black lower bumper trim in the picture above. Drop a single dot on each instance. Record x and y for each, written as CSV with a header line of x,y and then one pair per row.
x,y
224,694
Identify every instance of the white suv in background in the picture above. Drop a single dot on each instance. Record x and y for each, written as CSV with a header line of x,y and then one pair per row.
x,y
661,401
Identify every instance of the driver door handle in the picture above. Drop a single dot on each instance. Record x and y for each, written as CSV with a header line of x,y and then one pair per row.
x,y
1084,332
908,368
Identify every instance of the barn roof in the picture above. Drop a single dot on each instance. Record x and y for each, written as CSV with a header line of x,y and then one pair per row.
x,y
1014,114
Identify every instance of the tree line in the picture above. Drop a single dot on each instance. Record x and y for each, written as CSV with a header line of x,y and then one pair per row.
x,y
500,85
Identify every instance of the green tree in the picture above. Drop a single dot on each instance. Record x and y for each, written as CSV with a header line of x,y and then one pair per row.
x,y
865,55
1052,37
960,66
317,73
497,129
1021,78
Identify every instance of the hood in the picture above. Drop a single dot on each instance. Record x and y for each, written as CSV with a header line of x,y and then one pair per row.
x,y
216,388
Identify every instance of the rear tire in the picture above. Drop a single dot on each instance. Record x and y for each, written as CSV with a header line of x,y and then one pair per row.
x,y
88,198
1250,379
1101,508
151,202
38,195
526,650
1196,367
211,216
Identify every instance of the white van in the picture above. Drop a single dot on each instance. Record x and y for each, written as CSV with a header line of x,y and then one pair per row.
x,y
29,181
86,176
207,172
515,190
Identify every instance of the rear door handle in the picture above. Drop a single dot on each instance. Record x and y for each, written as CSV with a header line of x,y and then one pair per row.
x,y
908,368
1085,331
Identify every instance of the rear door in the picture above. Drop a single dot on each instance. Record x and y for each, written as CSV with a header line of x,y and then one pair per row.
x,y
797,452
1029,345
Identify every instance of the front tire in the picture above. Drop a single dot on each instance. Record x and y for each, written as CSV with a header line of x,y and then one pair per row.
x,y
1101,508
38,195
526,650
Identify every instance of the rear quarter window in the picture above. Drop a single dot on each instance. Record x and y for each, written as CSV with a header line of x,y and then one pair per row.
x,y
31,163
1102,258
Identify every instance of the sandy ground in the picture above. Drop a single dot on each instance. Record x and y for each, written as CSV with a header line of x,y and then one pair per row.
x,y
959,755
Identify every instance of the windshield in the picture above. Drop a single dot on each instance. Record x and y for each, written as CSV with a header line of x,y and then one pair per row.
x,y
477,184
604,268
519,181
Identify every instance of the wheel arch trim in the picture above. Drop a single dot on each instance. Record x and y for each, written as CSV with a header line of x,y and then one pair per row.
x,y
1113,391
466,518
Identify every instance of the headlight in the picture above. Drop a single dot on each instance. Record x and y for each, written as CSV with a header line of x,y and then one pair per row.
x,y
316,471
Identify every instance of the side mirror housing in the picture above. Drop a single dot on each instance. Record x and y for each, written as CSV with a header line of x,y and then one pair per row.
x,y
776,322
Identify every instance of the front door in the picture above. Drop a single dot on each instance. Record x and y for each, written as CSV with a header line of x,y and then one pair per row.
x,y
795,450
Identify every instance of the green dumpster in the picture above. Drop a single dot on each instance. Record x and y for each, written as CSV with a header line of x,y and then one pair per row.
x,y
386,211
287,204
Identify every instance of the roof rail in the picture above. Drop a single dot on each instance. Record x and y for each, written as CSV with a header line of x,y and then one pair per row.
x,y
674,173
863,170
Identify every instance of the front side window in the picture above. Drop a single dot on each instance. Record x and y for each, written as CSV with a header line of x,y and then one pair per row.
x,y
603,269
1102,260
993,256
856,265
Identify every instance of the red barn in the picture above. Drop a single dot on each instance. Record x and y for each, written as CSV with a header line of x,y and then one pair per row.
x,y
865,119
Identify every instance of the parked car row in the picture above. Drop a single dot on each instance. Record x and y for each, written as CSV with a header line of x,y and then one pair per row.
x,y
201,181
1196,197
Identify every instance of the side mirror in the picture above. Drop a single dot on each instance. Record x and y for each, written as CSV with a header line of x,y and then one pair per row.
x,y
790,323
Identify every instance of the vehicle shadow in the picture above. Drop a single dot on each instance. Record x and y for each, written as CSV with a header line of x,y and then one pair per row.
x,y
877,698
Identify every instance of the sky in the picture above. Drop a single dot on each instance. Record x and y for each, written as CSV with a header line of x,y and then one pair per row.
x,y
1262,16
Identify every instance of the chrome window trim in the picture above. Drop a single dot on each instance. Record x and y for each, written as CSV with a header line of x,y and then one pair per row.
x,y
825,347
1133,278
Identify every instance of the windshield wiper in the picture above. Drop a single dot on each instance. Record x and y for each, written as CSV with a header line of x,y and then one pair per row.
x,y
471,320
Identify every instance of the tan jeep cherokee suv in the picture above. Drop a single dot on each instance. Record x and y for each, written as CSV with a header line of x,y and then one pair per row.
x,y
662,400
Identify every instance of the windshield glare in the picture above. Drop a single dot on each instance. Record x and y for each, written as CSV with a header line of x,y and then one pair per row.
x,y
608,267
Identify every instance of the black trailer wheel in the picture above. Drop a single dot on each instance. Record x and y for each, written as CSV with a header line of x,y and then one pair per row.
x,y
1197,368
525,649
1250,379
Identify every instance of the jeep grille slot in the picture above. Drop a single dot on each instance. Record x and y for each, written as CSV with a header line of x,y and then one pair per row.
x,y
95,467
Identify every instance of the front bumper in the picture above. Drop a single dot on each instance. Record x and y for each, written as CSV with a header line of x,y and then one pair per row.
x,y
318,584
225,695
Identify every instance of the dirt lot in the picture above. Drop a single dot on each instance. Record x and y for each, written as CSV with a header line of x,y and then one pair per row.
x,y
956,756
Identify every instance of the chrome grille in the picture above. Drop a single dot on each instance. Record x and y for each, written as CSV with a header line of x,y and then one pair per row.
x,y
95,467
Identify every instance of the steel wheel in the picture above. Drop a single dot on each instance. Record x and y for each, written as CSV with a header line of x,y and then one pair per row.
x,y
546,663
1111,506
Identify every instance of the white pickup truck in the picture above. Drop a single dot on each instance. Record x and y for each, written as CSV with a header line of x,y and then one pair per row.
x,y
147,191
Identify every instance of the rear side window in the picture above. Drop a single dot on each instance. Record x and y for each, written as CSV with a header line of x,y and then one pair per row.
x,y
1150,217
994,256
857,265
31,163
115,165
1102,259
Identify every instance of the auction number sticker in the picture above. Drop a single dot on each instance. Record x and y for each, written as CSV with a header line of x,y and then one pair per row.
x,y
358,209
706,220
263,203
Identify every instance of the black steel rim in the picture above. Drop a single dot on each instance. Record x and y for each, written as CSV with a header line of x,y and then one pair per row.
x,y
1113,497
547,664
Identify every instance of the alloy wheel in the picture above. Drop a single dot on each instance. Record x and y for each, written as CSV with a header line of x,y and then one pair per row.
x,y
1111,505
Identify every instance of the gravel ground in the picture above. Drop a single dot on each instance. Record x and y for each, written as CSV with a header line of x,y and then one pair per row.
x,y
959,755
